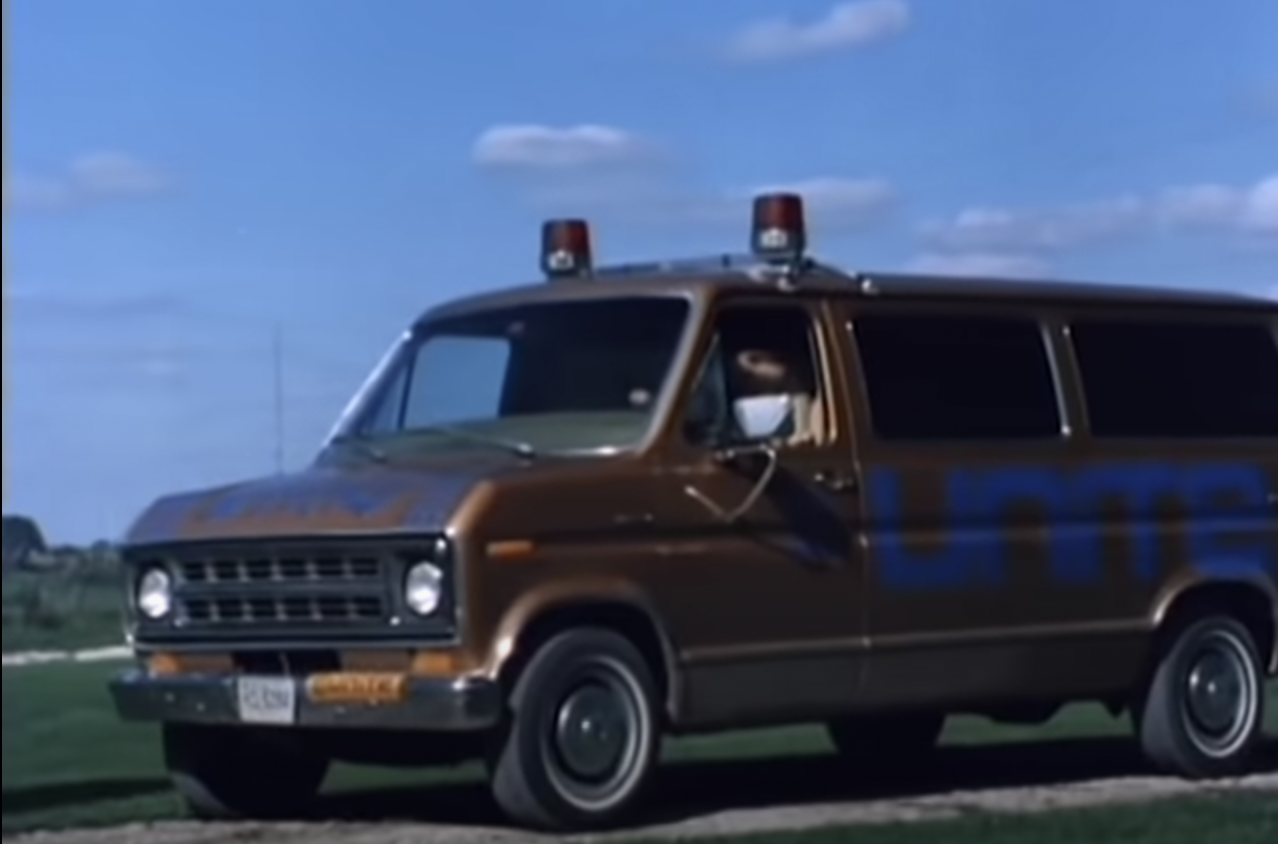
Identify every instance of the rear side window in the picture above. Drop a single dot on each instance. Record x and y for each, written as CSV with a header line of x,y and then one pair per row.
x,y
957,378
1178,379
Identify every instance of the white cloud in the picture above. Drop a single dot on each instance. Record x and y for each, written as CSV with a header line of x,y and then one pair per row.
x,y
26,192
104,363
1265,99
90,178
666,198
831,200
1250,210
832,204
539,147
990,265
845,26
1260,211
26,304
1044,229
160,366
115,174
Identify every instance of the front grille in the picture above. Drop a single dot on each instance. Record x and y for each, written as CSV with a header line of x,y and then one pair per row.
x,y
299,591
294,587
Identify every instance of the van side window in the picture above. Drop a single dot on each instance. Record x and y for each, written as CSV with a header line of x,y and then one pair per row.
x,y
758,351
957,378
1178,379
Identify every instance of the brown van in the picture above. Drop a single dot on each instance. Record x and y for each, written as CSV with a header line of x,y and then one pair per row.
x,y
562,521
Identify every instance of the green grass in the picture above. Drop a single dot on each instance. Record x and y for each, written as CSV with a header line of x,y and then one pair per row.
x,y
69,762
1221,820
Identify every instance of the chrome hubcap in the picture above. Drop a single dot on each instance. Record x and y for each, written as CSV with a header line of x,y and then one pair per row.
x,y
1215,693
592,732
1220,696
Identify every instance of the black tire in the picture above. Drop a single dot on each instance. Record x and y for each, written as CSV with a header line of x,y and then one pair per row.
x,y
886,742
227,773
532,774
1182,735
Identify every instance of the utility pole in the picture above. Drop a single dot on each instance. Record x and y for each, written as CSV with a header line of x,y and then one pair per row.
x,y
277,353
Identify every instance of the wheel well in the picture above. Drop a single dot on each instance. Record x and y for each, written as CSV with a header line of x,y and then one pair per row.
x,y
1246,603
629,621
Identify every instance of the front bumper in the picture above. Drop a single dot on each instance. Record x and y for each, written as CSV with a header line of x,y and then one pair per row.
x,y
458,705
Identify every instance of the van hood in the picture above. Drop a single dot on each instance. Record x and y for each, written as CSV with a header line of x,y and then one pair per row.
x,y
316,501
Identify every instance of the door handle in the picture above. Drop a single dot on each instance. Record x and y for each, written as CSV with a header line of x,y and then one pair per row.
x,y
835,482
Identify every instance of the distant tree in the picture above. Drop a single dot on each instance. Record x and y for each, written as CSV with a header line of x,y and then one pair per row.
x,y
104,553
22,539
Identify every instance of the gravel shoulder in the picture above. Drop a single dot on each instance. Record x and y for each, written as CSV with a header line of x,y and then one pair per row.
x,y
1062,785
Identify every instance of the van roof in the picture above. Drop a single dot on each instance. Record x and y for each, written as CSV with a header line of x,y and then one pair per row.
x,y
688,276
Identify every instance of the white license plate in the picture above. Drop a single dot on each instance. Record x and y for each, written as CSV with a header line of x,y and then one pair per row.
x,y
266,700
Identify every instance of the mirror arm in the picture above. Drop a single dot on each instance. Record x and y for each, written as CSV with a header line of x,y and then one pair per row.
x,y
751,499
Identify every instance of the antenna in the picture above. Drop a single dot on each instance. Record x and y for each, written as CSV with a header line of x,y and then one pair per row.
x,y
277,355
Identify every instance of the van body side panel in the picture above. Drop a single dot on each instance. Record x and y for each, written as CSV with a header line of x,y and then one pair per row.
x,y
1007,572
1208,516
997,571
1210,512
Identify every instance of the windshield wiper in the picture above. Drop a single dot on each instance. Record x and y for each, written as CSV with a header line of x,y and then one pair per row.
x,y
516,447
362,444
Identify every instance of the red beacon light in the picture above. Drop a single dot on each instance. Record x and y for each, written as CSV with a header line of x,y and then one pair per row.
x,y
565,249
779,230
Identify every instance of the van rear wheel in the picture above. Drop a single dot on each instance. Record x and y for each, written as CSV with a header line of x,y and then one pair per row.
x,y
227,773
1203,711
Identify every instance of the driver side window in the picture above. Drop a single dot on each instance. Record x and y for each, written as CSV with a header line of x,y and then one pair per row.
x,y
759,381
709,416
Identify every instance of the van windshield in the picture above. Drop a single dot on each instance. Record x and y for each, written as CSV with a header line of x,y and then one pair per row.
x,y
532,378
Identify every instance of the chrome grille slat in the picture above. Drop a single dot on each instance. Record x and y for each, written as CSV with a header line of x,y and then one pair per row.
x,y
282,569
238,610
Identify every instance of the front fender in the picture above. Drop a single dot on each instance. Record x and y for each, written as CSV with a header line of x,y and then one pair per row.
x,y
563,596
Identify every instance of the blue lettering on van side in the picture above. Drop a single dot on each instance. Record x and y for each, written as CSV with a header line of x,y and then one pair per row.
x,y
1225,522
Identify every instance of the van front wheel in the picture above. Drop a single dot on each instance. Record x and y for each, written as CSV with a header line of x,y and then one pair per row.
x,y
583,735
1203,711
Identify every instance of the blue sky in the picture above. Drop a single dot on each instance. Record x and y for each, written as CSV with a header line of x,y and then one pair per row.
x,y
183,180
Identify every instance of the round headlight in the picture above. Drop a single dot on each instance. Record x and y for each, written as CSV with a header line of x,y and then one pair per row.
x,y
155,594
423,588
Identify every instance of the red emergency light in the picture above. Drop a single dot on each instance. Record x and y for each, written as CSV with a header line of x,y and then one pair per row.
x,y
779,230
565,248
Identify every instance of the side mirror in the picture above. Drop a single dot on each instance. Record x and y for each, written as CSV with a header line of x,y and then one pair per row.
x,y
761,417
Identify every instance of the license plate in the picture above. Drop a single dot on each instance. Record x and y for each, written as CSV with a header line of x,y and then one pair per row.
x,y
357,688
266,700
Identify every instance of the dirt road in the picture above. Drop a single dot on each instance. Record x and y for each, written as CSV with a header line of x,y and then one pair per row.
x,y
700,799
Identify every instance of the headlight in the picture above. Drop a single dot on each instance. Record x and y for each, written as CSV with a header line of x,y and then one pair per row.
x,y
423,588
155,594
